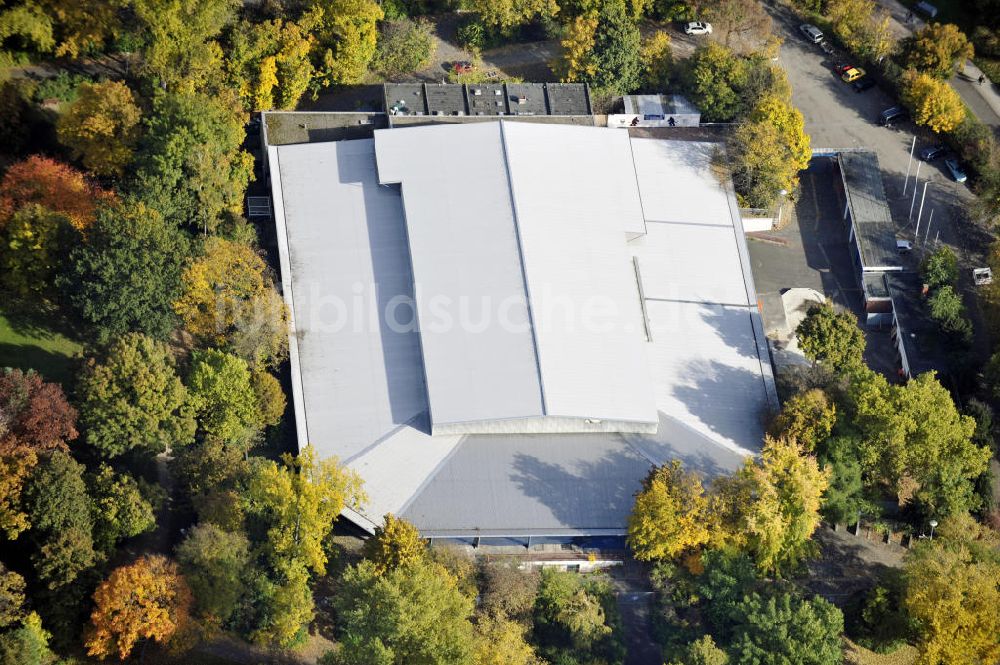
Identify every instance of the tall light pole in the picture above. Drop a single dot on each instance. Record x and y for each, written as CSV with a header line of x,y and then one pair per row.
x,y
909,164
933,524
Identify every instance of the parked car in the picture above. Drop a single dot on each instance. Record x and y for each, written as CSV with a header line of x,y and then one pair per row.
x,y
852,75
956,170
863,83
932,152
463,67
892,115
811,32
840,69
698,28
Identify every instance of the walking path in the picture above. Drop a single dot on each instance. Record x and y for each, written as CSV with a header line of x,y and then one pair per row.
x,y
984,100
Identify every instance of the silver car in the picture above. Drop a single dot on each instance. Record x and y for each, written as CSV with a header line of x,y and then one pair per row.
x,y
956,170
811,32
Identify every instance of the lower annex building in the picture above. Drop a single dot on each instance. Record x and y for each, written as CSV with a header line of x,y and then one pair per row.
x,y
501,326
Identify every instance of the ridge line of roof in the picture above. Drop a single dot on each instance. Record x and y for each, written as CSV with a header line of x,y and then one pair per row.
x,y
524,269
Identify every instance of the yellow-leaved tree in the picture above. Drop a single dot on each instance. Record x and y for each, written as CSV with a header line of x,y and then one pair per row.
x,y
347,37
395,543
268,63
101,127
806,418
501,641
953,596
148,599
229,300
577,62
671,514
656,61
506,14
935,104
770,507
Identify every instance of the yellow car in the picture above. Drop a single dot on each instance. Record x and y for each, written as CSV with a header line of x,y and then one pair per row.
x,y
851,75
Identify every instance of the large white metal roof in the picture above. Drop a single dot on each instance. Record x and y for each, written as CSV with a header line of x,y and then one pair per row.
x,y
524,224
360,388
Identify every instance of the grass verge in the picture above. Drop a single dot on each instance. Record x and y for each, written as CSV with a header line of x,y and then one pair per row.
x,y
46,351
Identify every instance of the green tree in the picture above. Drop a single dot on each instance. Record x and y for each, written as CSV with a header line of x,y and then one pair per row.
x,y
222,397
671,514
508,591
575,619
914,431
411,614
190,165
32,243
101,127
768,152
285,607
295,504
714,78
181,53
938,49
506,14
806,418
940,268
843,498
704,652
268,63
395,543
954,598
831,338
770,508
120,509
28,644
126,273
617,45
215,563
61,516
24,26
134,399
934,103
785,629
404,47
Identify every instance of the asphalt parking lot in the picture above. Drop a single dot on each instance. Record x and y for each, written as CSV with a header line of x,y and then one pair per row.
x,y
811,250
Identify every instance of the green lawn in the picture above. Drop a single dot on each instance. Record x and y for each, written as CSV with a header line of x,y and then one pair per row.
x,y
49,353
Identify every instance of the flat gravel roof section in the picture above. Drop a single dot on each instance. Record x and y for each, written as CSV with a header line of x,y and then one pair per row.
x,y
347,257
873,227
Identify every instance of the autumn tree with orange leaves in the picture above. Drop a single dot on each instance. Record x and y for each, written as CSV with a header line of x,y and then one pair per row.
x,y
53,185
148,599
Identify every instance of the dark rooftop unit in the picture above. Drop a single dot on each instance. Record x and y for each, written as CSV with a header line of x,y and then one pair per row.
x,y
870,218
527,99
445,99
487,99
568,99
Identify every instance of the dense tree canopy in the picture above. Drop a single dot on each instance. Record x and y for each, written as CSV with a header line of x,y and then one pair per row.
x,y
914,431
134,399
222,397
190,165
404,46
32,244
507,14
395,543
934,103
181,52
806,418
269,63
62,521
617,45
346,39
126,274
785,629
411,614
120,510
